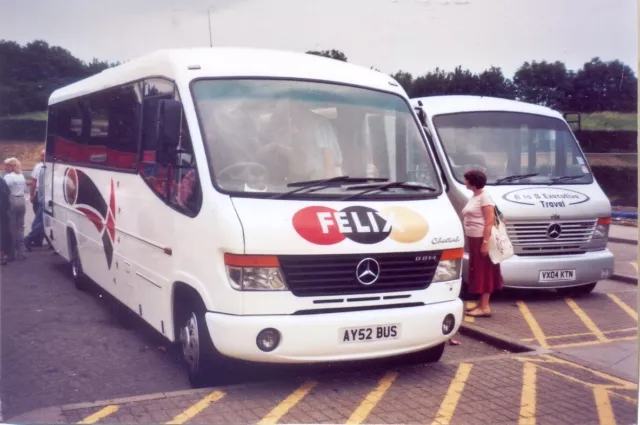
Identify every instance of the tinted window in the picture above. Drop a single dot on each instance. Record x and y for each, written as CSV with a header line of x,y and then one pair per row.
x,y
174,181
99,129
505,144
154,90
66,131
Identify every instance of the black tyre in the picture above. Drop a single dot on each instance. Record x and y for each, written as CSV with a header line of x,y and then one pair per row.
x,y
77,273
205,365
430,355
578,291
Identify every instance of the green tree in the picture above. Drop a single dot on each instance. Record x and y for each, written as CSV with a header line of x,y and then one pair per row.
x,y
405,79
543,83
30,73
462,81
492,82
332,54
604,86
432,83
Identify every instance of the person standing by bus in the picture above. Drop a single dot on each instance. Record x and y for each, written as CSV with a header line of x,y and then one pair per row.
x,y
17,204
479,216
36,236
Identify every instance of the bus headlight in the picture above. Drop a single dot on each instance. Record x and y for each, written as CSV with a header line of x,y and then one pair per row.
x,y
450,265
447,270
602,228
254,273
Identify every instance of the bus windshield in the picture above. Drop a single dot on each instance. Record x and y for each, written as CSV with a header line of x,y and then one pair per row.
x,y
269,135
512,148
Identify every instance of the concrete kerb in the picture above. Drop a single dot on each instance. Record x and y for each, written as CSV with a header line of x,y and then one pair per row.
x,y
498,340
625,278
624,241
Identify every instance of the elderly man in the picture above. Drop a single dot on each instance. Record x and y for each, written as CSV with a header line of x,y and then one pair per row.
x,y
36,236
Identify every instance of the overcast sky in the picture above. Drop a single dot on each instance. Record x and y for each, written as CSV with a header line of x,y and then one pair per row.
x,y
413,35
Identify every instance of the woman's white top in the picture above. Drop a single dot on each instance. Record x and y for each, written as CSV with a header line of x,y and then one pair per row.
x,y
17,184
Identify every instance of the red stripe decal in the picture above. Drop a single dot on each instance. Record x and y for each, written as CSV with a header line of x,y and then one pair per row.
x,y
95,218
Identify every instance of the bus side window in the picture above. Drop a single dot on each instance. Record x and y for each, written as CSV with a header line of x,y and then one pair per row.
x,y
176,182
185,193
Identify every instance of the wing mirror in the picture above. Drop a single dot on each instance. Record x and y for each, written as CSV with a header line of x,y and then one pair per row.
x,y
168,129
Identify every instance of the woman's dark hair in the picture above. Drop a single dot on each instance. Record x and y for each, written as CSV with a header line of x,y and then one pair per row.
x,y
476,178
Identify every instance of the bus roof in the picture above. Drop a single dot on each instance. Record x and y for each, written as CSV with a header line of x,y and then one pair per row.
x,y
438,105
189,63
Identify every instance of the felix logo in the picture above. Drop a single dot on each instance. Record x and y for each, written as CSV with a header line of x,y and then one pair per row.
x,y
81,192
326,226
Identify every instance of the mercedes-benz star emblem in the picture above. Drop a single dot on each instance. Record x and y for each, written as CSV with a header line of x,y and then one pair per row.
x,y
554,230
367,271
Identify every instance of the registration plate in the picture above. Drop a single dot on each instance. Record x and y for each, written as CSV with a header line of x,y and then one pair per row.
x,y
557,275
368,333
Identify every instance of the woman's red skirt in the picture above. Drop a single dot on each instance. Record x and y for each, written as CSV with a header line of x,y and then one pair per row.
x,y
484,276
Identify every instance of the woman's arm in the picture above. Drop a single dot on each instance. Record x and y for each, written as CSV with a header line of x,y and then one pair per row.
x,y
489,219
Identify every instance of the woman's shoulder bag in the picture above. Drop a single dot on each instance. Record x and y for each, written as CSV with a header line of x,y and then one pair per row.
x,y
500,247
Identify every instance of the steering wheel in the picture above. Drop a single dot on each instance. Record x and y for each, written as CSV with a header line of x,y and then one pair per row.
x,y
246,166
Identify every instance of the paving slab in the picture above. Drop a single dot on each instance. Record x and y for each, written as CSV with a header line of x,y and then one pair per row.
x,y
626,234
621,357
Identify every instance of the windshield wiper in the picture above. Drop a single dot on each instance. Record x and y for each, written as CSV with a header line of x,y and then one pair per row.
x,y
315,185
555,180
368,188
515,177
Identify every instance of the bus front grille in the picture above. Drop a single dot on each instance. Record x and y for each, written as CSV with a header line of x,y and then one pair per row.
x,y
550,237
319,275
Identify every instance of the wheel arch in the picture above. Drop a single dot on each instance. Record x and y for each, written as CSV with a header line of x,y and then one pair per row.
x,y
182,292
70,231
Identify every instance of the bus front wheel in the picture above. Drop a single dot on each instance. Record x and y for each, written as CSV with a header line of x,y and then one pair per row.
x,y
204,363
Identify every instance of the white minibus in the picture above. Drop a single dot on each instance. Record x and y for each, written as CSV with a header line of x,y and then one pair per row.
x,y
259,205
556,214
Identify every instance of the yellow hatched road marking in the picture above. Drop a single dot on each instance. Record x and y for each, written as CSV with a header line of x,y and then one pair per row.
x,y
528,397
586,320
631,312
281,409
635,266
450,402
469,319
197,408
603,405
372,399
632,400
635,328
533,324
100,414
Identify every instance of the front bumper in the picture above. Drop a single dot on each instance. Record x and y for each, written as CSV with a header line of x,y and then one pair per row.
x,y
316,337
524,271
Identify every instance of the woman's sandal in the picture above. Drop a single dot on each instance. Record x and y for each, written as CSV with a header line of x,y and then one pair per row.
x,y
479,313
469,308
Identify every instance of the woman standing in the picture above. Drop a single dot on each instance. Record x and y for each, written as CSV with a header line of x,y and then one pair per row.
x,y
479,217
17,204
